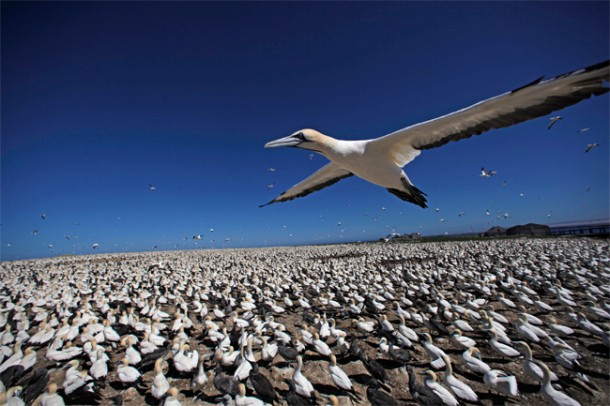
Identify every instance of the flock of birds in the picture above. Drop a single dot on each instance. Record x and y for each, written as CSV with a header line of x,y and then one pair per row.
x,y
480,322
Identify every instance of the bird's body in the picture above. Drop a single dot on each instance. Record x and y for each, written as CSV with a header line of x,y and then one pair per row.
x,y
501,382
302,385
338,376
380,161
551,394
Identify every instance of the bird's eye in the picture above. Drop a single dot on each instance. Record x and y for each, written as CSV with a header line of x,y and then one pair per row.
x,y
301,136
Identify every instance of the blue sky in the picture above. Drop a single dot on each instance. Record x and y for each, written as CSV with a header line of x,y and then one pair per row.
x,y
99,100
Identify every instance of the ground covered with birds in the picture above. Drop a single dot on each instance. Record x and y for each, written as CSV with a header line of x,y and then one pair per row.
x,y
522,321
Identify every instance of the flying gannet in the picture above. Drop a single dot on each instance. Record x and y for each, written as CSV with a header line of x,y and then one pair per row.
x,y
380,161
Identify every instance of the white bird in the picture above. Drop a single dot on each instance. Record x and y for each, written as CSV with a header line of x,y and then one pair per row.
x,y
242,400
172,398
99,368
160,384
435,353
591,146
127,374
501,348
302,385
501,382
551,394
461,340
461,390
473,362
439,390
338,376
200,377
320,346
380,161
51,397
553,120
530,365
559,329
487,174
185,361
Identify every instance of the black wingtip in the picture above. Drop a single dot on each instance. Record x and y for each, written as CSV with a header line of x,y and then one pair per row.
x,y
412,195
596,66
535,82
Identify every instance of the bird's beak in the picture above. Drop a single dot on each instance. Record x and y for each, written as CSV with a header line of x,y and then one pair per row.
x,y
290,141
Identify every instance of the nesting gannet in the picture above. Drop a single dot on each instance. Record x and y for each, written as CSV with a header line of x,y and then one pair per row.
x,y
530,365
472,361
439,390
126,373
302,385
11,397
459,388
160,384
501,382
551,394
172,398
339,376
380,161
51,397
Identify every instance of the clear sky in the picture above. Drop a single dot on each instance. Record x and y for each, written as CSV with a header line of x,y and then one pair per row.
x,y
99,100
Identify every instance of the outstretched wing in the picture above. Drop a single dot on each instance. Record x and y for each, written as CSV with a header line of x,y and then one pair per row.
x,y
328,175
533,100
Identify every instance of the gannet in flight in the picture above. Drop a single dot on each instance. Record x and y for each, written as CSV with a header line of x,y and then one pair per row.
x,y
487,174
591,146
553,120
380,161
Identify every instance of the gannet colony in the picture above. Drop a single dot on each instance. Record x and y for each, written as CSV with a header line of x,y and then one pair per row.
x,y
522,321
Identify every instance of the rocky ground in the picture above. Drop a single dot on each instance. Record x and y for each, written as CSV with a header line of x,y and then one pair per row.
x,y
422,273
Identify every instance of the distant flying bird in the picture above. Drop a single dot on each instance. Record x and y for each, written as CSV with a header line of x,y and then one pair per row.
x,y
487,174
590,147
437,210
380,161
310,157
151,187
553,120
43,216
34,232
95,245
270,186
583,130
198,237
271,170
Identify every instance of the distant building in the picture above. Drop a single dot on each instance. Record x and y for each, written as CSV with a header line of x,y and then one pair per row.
x,y
593,227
